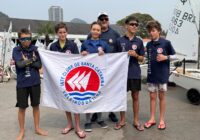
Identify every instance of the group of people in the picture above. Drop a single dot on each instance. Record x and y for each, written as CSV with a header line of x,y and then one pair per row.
x,y
101,39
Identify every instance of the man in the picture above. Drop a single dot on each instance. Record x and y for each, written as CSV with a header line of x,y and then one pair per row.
x,y
110,36
27,63
134,46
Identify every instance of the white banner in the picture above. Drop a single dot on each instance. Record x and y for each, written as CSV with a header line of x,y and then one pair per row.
x,y
85,84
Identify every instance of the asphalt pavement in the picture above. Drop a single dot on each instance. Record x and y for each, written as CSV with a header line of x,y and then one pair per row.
x,y
182,119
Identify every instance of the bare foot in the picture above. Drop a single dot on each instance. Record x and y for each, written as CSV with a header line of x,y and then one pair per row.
x,y
41,132
20,136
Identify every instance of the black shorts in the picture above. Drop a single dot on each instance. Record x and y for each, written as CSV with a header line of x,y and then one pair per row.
x,y
23,94
134,85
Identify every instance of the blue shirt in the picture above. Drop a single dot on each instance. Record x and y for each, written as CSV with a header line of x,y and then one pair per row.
x,y
93,46
158,72
70,47
125,44
22,79
110,36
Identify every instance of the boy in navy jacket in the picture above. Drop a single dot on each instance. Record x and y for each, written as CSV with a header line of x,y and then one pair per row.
x,y
27,63
159,53
134,46
64,45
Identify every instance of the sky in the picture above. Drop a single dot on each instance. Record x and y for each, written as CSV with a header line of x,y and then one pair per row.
x,y
88,10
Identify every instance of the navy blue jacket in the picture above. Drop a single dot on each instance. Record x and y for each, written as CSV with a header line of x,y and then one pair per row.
x,y
124,44
110,36
158,72
92,46
22,79
70,47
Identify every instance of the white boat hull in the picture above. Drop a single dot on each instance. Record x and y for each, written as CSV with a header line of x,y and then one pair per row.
x,y
190,80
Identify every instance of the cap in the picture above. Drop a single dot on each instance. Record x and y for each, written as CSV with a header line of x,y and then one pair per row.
x,y
102,14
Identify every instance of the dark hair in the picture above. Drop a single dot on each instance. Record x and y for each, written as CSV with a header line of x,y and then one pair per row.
x,y
102,16
131,18
94,23
153,24
60,25
23,31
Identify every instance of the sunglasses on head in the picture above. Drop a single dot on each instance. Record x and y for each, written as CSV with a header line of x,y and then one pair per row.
x,y
24,39
134,24
104,18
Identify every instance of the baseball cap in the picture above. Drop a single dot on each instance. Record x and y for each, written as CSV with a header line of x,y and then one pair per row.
x,y
102,14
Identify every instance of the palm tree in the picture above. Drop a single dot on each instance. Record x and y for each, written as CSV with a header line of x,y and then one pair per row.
x,y
46,29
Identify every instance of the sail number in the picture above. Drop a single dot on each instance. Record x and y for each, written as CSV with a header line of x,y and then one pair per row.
x,y
175,25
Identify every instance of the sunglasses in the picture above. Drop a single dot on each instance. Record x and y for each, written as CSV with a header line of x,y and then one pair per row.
x,y
102,19
133,24
24,39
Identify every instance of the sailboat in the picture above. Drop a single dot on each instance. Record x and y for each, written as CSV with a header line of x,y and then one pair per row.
x,y
184,34
6,54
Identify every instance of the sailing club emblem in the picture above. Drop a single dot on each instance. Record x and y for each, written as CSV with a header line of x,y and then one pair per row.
x,y
110,41
82,83
160,50
134,47
68,52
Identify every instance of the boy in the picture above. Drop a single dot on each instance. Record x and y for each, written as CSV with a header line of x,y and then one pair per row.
x,y
66,46
134,46
27,63
159,53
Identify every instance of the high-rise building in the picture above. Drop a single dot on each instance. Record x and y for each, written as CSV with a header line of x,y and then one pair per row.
x,y
55,13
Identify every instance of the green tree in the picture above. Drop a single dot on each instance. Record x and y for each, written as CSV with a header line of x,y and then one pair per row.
x,y
143,19
46,29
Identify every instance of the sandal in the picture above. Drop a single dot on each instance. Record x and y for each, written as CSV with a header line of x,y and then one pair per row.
x,y
148,125
66,130
119,126
81,134
162,126
139,127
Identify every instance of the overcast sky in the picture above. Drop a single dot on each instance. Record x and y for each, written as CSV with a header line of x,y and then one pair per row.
x,y
88,9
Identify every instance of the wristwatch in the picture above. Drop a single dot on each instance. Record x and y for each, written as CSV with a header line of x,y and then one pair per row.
x,y
168,57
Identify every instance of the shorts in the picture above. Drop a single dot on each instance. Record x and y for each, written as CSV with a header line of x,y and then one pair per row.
x,y
157,87
134,85
23,94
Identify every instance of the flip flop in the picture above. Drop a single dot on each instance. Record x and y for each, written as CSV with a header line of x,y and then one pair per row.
x,y
148,125
80,134
160,126
139,127
66,130
119,126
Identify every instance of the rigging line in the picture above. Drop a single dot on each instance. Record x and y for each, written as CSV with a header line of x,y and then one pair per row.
x,y
195,19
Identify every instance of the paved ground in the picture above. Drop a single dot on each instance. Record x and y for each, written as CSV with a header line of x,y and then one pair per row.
x,y
183,120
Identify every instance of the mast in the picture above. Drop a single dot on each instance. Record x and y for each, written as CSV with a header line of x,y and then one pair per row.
x,y
3,55
198,30
198,45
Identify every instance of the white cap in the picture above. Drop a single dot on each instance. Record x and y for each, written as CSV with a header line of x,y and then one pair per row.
x,y
102,13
